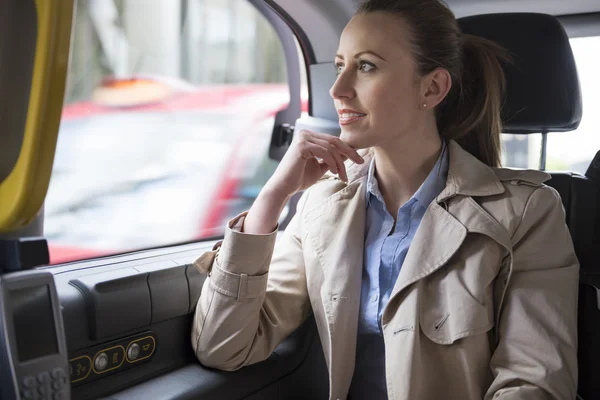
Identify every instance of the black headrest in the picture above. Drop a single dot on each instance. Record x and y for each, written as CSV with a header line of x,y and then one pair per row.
x,y
543,92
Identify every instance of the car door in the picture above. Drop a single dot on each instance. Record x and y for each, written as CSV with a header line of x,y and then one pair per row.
x,y
171,109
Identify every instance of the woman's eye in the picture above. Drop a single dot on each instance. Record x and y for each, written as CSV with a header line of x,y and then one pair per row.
x,y
366,66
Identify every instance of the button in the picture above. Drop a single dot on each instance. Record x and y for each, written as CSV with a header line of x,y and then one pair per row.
x,y
59,395
101,362
109,359
133,352
44,378
58,373
29,382
43,390
29,394
146,347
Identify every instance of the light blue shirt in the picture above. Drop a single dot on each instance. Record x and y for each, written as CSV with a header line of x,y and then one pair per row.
x,y
384,254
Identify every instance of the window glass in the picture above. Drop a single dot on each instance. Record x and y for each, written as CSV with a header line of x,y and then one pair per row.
x,y
566,151
168,116
521,151
573,151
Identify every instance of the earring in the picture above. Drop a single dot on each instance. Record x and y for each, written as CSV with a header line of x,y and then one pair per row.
x,y
424,105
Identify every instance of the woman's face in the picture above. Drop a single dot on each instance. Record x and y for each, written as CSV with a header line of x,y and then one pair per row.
x,y
378,92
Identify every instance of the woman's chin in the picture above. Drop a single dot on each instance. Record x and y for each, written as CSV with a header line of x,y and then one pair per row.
x,y
354,139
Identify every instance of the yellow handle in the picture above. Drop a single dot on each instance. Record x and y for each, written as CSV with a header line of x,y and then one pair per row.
x,y
22,193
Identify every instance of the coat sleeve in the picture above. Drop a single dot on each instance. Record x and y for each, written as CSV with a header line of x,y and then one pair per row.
x,y
536,356
254,297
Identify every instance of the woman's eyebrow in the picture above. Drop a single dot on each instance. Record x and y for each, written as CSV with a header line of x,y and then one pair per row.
x,y
361,53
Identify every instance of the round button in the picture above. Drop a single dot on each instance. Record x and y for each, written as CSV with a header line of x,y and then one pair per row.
x,y
29,382
43,390
58,373
59,396
133,352
101,362
44,378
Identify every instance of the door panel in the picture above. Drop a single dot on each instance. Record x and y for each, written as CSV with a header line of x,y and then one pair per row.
x,y
295,370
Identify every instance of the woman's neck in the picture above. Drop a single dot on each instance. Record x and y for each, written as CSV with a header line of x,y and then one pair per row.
x,y
403,166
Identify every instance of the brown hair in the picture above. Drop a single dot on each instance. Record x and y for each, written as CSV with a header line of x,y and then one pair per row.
x,y
470,113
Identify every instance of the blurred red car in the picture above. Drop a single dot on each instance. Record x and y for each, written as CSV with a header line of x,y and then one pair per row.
x,y
150,162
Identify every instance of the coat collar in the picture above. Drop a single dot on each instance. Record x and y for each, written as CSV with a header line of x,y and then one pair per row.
x,y
466,174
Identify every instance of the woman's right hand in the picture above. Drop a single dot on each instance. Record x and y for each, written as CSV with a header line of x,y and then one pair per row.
x,y
309,157
298,170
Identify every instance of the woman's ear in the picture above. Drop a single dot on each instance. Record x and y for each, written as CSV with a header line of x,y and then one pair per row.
x,y
436,86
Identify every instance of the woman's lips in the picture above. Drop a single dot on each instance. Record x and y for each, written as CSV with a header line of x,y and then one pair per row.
x,y
349,118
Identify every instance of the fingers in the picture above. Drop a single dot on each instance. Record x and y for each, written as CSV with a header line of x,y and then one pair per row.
x,y
330,149
310,148
334,151
322,155
342,146
324,167
341,166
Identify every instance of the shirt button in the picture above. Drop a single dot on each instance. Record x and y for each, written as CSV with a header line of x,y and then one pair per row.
x,y
374,298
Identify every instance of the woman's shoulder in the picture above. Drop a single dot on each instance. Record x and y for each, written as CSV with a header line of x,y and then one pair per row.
x,y
527,196
521,184
523,176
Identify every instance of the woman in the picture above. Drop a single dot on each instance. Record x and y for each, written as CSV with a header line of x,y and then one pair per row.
x,y
431,273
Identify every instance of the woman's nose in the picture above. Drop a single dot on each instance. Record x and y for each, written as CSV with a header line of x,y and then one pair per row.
x,y
342,87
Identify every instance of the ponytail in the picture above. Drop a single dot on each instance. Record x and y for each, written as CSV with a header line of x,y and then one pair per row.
x,y
471,113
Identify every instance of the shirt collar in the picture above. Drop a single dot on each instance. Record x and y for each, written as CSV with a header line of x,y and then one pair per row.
x,y
372,185
429,189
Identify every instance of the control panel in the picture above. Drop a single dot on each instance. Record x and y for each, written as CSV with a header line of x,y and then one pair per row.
x,y
112,357
33,350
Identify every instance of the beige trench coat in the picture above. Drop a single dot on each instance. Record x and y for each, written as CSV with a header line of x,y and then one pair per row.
x,y
485,306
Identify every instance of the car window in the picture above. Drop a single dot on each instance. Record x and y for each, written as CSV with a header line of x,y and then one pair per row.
x,y
168,116
573,151
566,151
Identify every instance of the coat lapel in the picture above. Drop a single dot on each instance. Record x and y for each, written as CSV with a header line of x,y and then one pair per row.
x,y
450,218
438,238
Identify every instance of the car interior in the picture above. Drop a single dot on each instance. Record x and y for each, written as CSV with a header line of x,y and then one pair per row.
x,y
118,327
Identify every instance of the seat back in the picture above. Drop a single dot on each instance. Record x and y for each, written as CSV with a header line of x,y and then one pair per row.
x,y
589,288
580,197
543,96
